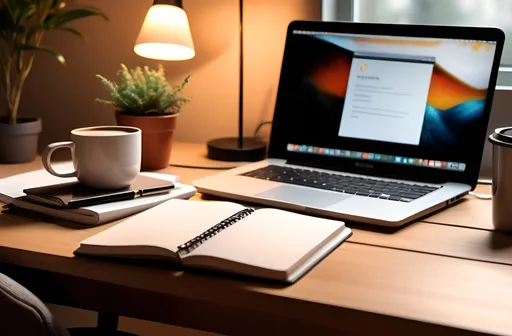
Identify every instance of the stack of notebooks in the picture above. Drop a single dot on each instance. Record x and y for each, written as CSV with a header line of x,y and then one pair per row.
x,y
222,236
39,192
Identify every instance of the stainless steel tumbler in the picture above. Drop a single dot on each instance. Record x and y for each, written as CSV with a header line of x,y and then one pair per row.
x,y
501,140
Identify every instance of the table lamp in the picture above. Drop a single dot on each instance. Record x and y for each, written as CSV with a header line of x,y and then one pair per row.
x,y
238,148
165,33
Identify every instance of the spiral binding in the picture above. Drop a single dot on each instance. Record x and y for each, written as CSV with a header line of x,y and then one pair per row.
x,y
193,243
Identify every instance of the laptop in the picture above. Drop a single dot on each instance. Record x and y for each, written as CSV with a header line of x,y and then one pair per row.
x,y
374,123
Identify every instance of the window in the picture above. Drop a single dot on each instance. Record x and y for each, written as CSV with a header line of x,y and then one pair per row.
x,y
447,12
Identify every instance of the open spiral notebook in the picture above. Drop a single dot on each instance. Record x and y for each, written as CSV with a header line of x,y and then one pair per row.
x,y
222,236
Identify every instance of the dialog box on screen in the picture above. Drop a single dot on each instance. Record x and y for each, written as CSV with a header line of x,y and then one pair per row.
x,y
386,97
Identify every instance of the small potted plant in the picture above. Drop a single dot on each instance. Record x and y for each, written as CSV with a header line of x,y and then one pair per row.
x,y
144,99
23,24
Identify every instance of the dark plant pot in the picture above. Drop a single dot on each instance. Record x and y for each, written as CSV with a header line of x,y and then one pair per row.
x,y
157,132
18,142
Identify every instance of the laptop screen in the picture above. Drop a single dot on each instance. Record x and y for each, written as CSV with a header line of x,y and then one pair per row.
x,y
386,99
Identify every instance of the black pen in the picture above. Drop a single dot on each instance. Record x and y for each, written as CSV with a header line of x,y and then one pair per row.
x,y
120,196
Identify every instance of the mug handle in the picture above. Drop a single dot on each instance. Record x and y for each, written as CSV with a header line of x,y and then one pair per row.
x,y
47,157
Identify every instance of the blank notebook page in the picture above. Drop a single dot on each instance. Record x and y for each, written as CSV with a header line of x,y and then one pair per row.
x,y
167,225
269,238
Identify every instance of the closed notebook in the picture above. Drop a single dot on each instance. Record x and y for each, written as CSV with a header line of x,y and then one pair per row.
x,y
75,194
223,236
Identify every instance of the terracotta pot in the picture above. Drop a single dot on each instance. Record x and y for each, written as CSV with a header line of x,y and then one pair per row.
x,y
18,142
157,132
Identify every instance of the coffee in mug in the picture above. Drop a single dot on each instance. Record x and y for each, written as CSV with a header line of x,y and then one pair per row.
x,y
104,157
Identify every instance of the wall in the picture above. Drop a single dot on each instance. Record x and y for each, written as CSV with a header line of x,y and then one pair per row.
x,y
64,95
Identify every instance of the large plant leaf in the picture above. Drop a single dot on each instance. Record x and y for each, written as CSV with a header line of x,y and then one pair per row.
x,y
61,18
13,8
27,12
14,16
21,10
54,52
73,31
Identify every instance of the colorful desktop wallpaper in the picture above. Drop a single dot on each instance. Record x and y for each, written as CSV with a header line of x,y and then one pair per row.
x,y
455,102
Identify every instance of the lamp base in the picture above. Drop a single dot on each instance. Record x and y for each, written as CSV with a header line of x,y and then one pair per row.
x,y
227,149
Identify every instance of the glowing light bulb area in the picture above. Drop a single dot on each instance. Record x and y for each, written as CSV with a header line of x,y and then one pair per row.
x,y
165,35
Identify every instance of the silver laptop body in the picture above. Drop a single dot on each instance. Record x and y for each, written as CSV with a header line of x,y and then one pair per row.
x,y
374,123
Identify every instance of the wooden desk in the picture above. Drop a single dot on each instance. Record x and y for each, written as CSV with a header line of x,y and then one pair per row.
x,y
448,274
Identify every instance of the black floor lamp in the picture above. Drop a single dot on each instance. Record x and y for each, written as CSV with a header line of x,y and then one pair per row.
x,y
238,148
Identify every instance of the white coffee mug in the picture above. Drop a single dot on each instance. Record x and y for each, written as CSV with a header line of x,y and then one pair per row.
x,y
104,157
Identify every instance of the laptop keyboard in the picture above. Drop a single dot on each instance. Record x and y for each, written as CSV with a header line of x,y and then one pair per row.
x,y
361,186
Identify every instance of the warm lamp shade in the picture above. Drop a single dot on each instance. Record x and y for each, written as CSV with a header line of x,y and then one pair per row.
x,y
165,35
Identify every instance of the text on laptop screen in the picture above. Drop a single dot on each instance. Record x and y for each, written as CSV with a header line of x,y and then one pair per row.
x,y
402,100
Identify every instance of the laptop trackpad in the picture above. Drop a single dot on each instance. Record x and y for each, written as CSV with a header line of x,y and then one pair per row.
x,y
302,196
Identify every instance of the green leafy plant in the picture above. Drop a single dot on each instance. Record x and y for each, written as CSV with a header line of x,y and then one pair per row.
x,y
22,26
144,91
